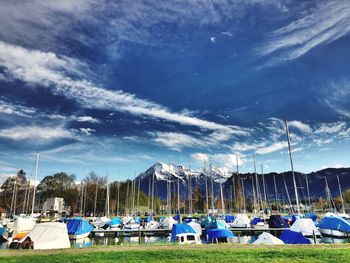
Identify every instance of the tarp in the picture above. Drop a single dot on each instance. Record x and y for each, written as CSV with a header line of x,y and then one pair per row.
x,y
267,239
137,220
229,218
115,221
206,221
126,219
177,217
180,229
168,222
292,237
277,221
216,224
305,226
241,220
78,226
218,233
148,219
22,224
312,216
196,227
256,220
51,235
335,223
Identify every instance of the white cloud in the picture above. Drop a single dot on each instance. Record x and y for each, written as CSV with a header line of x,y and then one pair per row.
x,y
330,128
177,141
329,21
200,157
272,148
47,69
87,119
16,109
34,133
300,126
87,131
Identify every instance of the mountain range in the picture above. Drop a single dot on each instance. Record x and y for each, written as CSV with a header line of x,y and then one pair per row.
x,y
164,173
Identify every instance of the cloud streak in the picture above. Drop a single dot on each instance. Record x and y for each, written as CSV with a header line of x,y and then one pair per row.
x,y
329,21
49,70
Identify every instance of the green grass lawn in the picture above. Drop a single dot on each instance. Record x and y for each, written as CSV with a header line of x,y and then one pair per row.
x,y
216,254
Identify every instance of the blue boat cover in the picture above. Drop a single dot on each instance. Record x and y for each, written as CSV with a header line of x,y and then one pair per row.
x,y
312,216
277,221
335,223
256,220
293,237
229,219
115,221
78,226
216,224
218,233
180,229
137,220
148,219
177,217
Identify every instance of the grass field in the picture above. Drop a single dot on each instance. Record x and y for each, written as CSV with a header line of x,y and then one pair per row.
x,y
207,253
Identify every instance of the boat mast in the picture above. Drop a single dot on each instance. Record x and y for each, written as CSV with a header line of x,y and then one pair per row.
x,y
152,193
290,202
308,191
107,197
258,198
264,185
341,195
95,199
328,193
235,193
212,188
118,204
222,196
178,194
35,179
292,167
276,195
206,187
138,195
243,194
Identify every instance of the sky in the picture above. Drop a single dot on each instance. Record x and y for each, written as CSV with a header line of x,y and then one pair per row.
x,y
115,86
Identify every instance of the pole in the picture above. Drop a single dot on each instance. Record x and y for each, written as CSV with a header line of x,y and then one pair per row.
x,y
95,199
292,167
276,195
222,197
264,185
243,194
290,202
341,195
35,179
138,195
308,191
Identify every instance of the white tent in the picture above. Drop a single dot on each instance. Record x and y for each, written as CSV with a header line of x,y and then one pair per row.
x,y
51,235
196,227
305,226
267,239
22,225
241,220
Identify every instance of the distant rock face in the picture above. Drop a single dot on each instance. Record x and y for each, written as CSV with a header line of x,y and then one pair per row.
x,y
163,173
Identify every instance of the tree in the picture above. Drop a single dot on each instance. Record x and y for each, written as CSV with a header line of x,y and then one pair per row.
x,y
59,185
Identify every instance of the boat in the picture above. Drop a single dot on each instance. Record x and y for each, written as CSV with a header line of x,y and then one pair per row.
x,y
101,222
21,227
115,223
167,223
258,223
241,221
306,227
50,235
334,226
292,237
196,227
78,228
278,221
267,239
184,234
220,235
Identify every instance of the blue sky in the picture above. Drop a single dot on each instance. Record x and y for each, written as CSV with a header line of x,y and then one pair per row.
x,y
115,86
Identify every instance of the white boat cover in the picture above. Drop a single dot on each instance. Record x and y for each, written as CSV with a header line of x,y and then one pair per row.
x,y
241,220
305,226
22,224
127,219
51,235
196,227
168,222
267,239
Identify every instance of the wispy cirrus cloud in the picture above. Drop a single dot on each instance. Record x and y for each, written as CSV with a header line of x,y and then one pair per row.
x,y
35,133
47,69
16,109
327,22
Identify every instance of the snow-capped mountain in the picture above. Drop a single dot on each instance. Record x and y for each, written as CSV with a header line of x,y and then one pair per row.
x,y
163,173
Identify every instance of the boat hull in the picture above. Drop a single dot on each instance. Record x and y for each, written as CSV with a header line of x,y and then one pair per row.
x,y
74,236
333,233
